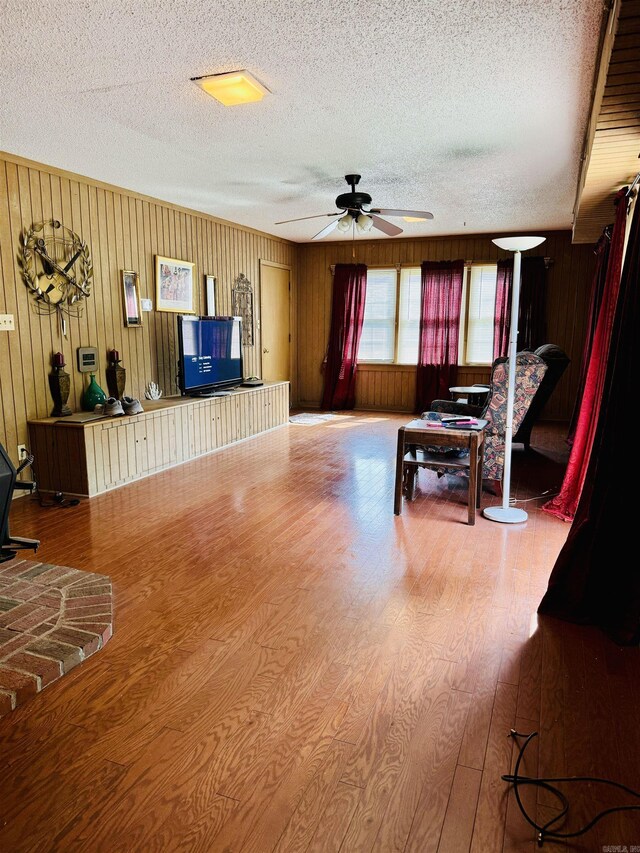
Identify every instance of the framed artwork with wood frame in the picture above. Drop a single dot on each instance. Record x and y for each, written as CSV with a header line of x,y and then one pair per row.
x,y
174,285
210,293
131,301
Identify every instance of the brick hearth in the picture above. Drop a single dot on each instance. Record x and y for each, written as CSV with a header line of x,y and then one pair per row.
x,y
51,619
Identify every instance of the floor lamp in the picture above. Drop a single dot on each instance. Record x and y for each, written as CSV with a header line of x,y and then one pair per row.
x,y
509,514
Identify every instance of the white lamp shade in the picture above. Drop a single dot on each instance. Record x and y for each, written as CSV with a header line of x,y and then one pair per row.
x,y
345,222
364,222
518,244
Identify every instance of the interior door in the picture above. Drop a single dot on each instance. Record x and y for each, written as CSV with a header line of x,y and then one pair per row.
x,y
274,322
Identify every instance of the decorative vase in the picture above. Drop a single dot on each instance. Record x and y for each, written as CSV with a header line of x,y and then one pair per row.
x,y
116,376
60,386
92,395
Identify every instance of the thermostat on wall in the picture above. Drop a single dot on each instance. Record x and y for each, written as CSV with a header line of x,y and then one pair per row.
x,y
87,359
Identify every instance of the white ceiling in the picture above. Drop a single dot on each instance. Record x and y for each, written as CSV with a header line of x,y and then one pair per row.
x,y
473,109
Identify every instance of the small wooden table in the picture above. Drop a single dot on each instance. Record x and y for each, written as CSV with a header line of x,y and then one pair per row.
x,y
411,455
474,394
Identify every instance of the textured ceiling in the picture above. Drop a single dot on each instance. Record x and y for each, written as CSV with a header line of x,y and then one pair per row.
x,y
473,110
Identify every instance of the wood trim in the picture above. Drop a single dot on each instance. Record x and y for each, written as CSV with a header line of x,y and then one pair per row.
x,y
607,38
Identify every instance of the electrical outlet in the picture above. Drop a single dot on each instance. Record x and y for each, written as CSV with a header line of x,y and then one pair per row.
x,y
22,452
6,323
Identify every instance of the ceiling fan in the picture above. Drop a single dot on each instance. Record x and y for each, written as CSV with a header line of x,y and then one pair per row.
x,y
354,211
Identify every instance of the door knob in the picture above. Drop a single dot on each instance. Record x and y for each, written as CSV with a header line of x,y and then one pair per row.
x,y
265,350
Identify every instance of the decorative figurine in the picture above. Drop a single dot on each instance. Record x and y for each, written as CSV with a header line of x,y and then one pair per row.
x,y
152,392
116,375
60,385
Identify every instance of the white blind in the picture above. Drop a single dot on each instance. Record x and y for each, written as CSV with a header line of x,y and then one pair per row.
x,y
409,315
481,300
378,329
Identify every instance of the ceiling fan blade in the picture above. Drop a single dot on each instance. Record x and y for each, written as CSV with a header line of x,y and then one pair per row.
x,y
386,227
300,218
327,229
389,211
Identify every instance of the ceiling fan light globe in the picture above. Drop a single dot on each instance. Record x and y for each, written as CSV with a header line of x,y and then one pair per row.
x,y
345,222
364,222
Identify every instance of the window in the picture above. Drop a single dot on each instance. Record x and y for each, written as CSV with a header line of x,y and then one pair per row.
x,y
409,315
479,299
391,328
379,328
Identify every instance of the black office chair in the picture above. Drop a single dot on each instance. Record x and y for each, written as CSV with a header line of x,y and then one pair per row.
x,y
10,545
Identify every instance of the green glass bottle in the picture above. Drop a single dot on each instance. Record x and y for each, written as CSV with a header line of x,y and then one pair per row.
x,y
92,395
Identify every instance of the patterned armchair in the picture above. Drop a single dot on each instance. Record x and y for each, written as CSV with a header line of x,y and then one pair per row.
x,y
530,371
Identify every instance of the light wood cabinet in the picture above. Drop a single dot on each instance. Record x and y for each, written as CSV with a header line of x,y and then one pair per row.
x,y
91,458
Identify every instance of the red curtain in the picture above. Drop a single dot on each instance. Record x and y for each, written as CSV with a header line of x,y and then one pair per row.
x,y
439,324
565,503
347,314
597,290
596,579
501,315
532,311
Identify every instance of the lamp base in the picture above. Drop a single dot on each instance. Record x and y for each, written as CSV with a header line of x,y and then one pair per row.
x,y
506,515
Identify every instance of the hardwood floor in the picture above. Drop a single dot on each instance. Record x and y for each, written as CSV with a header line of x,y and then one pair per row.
x,y
294,668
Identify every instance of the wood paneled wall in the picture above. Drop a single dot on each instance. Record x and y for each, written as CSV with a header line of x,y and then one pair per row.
x,y
393,388
124,230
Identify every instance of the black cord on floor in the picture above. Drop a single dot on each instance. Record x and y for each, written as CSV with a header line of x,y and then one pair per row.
x,y
545,831
58,498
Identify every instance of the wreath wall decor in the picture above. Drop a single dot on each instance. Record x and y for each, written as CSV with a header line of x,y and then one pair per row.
x,y
56,267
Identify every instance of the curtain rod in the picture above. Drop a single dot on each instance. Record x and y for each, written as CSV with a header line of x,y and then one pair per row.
x,y
332,267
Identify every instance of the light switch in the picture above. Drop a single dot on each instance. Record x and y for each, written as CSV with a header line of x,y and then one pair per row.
x,y
146,304
6,323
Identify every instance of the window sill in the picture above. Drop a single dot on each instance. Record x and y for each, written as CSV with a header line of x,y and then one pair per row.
x,y
391,365
386,365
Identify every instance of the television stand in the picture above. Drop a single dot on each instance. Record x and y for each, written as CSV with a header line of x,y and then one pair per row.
x,y
107,453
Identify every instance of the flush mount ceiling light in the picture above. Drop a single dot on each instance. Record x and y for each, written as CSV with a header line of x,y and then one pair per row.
x,y
233,87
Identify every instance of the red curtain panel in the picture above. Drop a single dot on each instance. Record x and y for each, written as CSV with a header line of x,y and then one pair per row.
x,y
601,252
565,503
501,315
439,325
347,315
532,311
596,579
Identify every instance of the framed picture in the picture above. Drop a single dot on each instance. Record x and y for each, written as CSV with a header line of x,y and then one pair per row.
x,y
131,300
174,285
210,291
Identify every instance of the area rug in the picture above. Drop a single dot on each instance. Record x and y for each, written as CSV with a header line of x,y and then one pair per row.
x,y
313,418
51,619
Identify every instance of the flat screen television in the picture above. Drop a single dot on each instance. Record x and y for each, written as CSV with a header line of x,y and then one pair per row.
x,y
210,354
